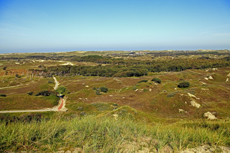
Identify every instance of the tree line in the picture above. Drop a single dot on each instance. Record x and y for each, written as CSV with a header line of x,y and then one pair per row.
x,y
129,68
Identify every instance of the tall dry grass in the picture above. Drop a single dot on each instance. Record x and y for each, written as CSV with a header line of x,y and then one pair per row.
x,y
106,134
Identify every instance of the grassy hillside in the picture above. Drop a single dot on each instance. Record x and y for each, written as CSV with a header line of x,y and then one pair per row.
x,y
116,114
109,134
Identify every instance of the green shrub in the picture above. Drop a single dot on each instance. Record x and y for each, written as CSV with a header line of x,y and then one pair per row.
x,y
172,94
30,93
98,92
2,95
183,84
134,88
50,82
143,81
104,89
61,90
43,93
157,80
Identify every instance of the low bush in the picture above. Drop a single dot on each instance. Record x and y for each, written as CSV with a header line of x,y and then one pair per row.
x,y
157,80
30,93
143,81
50,82
172,94
184,84
43,93
61,90
2,95
98,92
104,89
134,88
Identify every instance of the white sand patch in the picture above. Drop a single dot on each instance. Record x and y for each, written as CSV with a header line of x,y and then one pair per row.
x,y
17,63
206,78
228,75
87,86
115,116
204,89
192,96
214,69
68,63
210,116
195,104
181,110
227,80
150,89
203,83
210,78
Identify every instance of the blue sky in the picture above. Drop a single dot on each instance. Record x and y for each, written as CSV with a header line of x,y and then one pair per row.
x,y
69,25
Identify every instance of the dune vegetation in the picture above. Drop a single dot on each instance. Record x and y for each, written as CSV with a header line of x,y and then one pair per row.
x,y
143,101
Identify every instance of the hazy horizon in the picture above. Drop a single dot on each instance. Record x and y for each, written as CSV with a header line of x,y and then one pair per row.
x,y
58,26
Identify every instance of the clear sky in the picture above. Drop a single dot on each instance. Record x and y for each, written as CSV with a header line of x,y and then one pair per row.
x,y
69,25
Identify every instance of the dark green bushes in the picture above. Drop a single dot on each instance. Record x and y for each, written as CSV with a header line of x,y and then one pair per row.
x,y
44,93
61,90
100,89
30,93
143,81
184,84
104,89
157,80
2,95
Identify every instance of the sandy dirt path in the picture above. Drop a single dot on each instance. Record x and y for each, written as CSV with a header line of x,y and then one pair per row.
x,y
56,83
60,107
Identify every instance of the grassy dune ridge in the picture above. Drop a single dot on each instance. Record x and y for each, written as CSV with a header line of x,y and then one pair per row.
x,y
105,134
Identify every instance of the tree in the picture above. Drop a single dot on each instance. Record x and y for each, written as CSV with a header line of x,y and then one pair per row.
x,y
61,90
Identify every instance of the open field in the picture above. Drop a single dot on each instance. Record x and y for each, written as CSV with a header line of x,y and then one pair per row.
x,y
114,102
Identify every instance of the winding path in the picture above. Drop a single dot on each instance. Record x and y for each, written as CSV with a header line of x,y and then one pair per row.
x,y
60,107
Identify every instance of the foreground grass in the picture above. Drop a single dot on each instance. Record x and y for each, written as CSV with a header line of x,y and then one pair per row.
x,y
93,134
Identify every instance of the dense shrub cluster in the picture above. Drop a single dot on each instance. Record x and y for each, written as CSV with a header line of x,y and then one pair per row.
x,y
157,80
104,89
100,89
44,93
61,90
143,81
2,95
184,84
129,67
